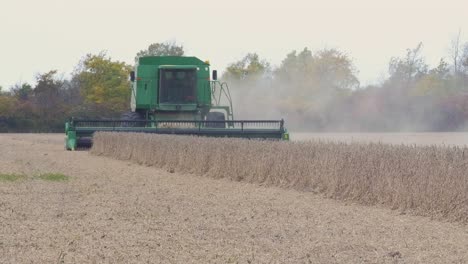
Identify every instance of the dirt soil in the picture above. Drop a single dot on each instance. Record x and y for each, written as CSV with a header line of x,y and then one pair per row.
x,y
119,212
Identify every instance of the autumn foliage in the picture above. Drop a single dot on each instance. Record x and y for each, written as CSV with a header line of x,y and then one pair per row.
x,y
312,90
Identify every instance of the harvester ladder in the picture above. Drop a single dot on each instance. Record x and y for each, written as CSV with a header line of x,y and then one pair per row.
x,y
220,90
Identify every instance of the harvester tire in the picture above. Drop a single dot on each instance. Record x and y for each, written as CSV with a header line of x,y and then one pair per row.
x,y
134,116
216,116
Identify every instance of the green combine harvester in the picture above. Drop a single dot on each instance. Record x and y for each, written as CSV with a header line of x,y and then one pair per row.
x,y
175,95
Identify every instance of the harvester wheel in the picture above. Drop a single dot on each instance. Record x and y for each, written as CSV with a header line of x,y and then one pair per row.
x,y
216,116
134,116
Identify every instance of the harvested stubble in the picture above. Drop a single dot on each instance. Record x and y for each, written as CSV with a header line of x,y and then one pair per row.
x,y
425,180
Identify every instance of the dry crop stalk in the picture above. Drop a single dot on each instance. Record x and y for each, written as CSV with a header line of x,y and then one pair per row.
x,y
426,180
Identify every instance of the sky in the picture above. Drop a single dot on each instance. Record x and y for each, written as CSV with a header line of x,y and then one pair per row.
x,y
38,36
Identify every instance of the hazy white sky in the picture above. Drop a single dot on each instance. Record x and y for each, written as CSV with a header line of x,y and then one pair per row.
x,y
38,36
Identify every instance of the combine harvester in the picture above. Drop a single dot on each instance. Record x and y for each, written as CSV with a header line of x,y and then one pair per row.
x,y
174,95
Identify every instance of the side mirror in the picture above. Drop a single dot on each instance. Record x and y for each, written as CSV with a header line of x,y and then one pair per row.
x,y
132,76
215,75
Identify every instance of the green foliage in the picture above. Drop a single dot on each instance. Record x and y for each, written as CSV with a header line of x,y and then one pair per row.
x,y
33,109
312,90
48,101
10,177
7,104
99,88
464,61
409,68
53,177
311,82
465,56
435,82
161,49
320,91
104,82
249,67
22,91
326,69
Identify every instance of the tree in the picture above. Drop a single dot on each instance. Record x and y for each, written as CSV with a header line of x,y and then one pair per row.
x,y
22,91
464,67
335,69
465,58
455,54
35,109
47,92
7,112
310,85
294,67
49,108
408,69
435,83
104,82
324,70
161,49
249,80
251,66
7,104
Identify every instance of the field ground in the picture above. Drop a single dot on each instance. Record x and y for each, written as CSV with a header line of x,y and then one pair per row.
x,y
111,211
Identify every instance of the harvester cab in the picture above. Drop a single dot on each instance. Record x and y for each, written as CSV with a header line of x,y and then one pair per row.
x,y
177,88
175,95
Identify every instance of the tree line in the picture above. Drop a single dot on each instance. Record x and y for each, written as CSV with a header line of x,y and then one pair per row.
x,y
319,91
99,87
312,90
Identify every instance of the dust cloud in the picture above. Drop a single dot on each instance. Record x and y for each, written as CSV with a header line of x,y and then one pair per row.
x,y
369,109
320,91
